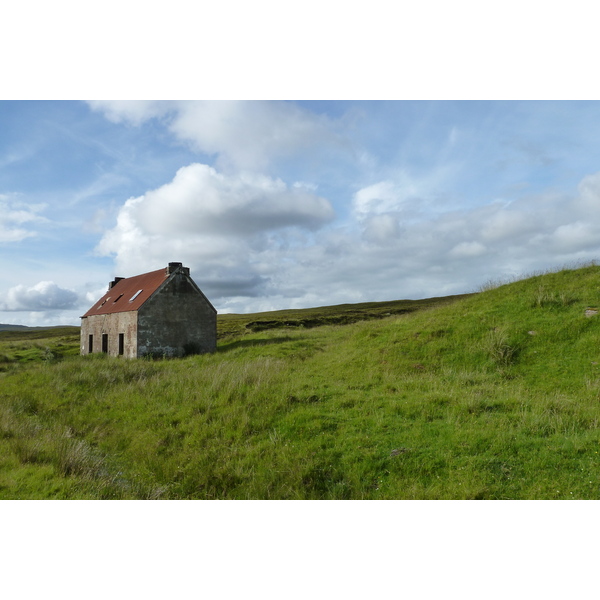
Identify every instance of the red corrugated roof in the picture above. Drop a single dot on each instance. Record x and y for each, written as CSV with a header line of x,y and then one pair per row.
x,y
122,296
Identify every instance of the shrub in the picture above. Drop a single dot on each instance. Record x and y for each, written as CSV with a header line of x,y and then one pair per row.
x,y
500,348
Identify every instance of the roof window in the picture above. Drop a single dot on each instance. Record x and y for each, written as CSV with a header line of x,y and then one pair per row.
x,y
135,295
103,303
118,298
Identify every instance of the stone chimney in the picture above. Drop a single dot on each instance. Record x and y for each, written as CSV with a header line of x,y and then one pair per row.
x,y
112,284
173,266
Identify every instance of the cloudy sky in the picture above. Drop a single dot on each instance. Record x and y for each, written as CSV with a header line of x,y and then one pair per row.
x,y
290,204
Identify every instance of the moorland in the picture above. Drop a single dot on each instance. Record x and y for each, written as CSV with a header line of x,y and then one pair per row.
x,y
490,395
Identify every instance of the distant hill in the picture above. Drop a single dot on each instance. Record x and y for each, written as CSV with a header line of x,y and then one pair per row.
x,y
24,328
229,325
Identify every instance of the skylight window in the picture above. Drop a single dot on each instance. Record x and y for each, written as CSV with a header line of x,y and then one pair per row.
x,y
135,295
103,303
118,298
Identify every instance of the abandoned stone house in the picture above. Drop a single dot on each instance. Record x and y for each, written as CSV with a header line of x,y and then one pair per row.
x,y
160,313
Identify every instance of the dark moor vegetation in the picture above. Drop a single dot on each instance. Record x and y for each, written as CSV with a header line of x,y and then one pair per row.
x,y
491,395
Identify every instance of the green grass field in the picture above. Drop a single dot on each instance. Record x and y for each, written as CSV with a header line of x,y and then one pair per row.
x,y
494,395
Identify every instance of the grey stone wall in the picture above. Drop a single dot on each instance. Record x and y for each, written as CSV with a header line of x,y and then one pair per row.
x,y
177,320
110,325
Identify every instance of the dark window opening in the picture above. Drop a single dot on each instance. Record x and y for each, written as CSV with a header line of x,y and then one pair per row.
x,y
121,344
105,342
120,296
90,343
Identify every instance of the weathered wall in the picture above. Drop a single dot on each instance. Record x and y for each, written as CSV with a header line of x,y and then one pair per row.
x,y
177,319
113,325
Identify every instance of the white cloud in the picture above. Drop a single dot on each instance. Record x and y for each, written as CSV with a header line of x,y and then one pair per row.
x,y
576,236
242,134
385,196
221,223
200,200
13,215
13,234
499,223
589,194
43,296
132,111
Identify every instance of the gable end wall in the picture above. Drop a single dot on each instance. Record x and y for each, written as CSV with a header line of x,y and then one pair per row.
x,y
176,320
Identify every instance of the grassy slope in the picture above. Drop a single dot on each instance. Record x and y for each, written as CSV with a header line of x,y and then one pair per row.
x,y
37,343
496,395
234,325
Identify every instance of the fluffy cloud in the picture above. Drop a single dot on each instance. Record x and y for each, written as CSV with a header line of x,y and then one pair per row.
x,y
43,296
244,135
200,200
437,251
223,224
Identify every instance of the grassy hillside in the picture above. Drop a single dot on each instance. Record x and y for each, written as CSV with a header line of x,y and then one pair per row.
x,y
233,325
494,395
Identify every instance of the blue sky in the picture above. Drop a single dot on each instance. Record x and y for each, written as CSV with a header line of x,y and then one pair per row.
x,y
290,204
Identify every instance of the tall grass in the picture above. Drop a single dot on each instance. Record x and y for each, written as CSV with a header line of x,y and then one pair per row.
x,y
496,395
501,349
